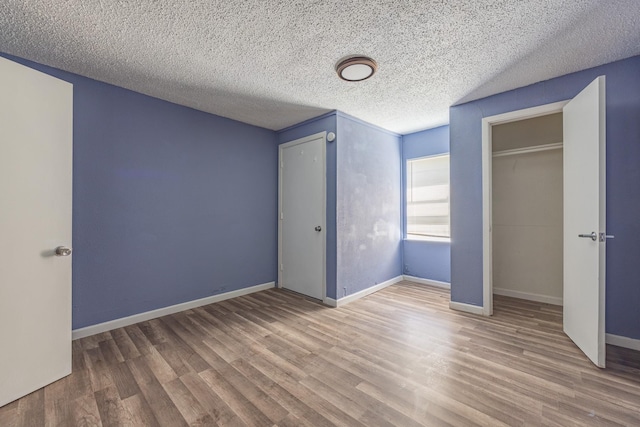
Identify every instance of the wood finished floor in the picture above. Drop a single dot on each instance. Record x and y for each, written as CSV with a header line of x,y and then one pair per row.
x,y
398,357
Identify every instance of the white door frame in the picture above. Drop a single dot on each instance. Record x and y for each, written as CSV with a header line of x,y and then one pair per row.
x,y
323,224
487,169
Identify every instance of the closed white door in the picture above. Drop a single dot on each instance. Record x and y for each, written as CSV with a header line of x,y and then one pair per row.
x,y
35,219
302,216
584,220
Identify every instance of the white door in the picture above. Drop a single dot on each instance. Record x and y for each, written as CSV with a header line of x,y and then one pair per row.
x,y
35,218
584,215
302,216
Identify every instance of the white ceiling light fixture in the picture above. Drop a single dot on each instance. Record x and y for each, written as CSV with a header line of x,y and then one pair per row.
x,y
356,68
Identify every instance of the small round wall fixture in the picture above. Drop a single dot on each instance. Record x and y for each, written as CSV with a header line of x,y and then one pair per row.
x,y
356,68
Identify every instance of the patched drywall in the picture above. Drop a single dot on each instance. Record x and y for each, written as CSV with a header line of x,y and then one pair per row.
x,y
368,206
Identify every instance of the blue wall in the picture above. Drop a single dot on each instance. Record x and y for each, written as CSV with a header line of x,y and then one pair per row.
x,y
170,204
623,176
326,122
363,201
425,259
368,205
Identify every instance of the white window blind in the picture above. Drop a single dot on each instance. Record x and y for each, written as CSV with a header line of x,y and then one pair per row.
x,y
428,197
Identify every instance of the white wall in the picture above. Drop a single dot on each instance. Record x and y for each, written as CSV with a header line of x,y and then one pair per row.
x,y
527,215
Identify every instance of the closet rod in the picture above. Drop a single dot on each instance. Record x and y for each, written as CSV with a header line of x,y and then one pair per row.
x,y
534,149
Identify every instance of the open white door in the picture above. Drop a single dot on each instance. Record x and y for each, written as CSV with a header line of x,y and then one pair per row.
x,y
302,216
584,221
35,219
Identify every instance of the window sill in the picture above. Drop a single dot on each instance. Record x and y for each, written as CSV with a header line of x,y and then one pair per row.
x,y
428,239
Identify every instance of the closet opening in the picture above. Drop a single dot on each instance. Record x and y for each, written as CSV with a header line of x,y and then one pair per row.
x,y
527,209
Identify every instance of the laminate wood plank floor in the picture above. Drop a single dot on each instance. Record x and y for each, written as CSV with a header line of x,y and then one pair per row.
x,y
399,357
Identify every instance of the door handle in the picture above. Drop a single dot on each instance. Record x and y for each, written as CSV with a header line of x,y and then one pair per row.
x,y
604,237
62,251
593,236
318,228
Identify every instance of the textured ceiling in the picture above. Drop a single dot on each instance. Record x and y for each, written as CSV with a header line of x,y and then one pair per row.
x,y
271,63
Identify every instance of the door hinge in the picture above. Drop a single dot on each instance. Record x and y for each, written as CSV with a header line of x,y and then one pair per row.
x,y
282,164
281,215
281,267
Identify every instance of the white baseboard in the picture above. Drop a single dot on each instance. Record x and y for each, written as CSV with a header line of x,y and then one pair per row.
x,y
429,282
632,343
330,302
148,315
363,293
467,308
528,296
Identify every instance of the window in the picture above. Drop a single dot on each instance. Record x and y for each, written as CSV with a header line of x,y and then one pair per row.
x,y
428,197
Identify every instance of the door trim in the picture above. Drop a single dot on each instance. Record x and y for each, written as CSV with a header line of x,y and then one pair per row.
x,y
281,147
487,238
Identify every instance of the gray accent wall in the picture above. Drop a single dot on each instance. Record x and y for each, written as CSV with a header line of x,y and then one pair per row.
x,y
368,205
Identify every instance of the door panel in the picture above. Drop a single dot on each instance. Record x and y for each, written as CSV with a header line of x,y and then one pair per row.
x,y
302,210
584,213
35,218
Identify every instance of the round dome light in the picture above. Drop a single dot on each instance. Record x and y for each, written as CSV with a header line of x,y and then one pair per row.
x,y
356,69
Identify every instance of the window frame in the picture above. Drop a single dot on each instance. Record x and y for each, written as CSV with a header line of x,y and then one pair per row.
x,y
422,237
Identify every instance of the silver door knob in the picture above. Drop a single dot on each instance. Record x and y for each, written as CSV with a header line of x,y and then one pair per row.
x,y
593,236
318,228
62,251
